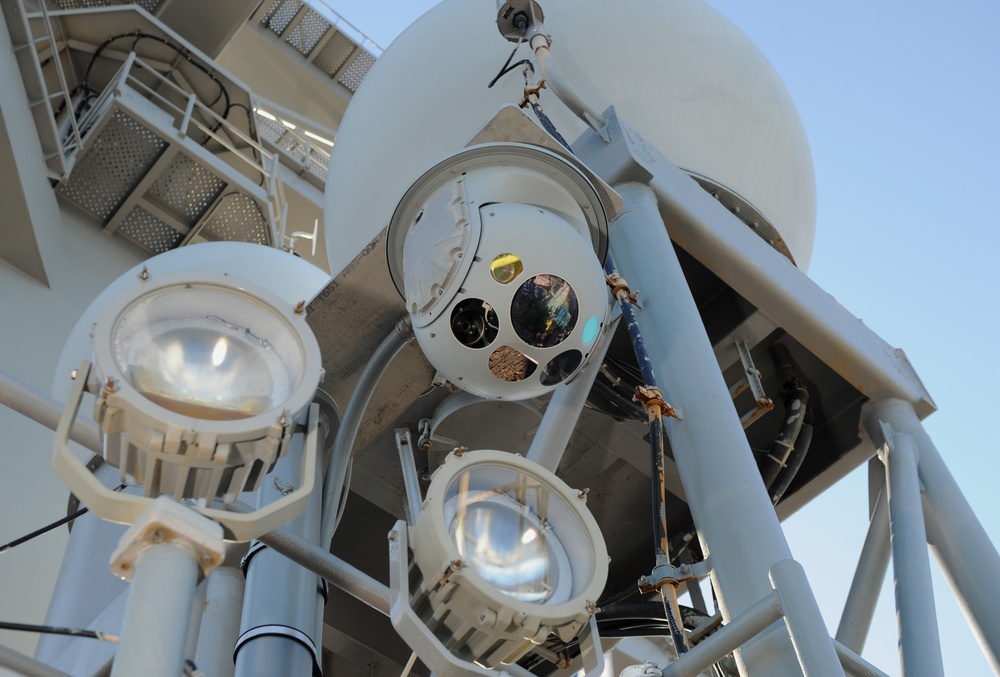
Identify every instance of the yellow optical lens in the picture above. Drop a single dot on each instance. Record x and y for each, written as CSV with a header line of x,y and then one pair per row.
x,y
505,268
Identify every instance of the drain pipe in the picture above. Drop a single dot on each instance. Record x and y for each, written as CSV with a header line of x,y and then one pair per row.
x,y
281,627
347,434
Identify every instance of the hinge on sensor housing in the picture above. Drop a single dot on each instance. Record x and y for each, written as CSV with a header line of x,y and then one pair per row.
x,y
751,379
665,574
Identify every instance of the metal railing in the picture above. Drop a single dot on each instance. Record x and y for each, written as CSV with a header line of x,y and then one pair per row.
x,y
196,119
308,155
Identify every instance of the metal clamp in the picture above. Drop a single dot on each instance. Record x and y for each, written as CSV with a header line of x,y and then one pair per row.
x,y
664,574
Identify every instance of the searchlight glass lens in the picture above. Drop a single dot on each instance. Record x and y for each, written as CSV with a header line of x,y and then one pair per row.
x,y
207,352
544,311
499,520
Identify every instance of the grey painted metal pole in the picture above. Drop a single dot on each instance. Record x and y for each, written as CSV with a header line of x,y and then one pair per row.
x,y
348,578
220,624
742,628
154,631
859,608
26,665
281,626
735,519
39,407
411,481
963,549
553,434
855,665
919,642
806,628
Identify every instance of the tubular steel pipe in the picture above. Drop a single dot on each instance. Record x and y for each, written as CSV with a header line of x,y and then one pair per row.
x,y
710,448
25,665
740,630
560,85
859,609
343,446
920,645
855,665
281,625
154,631
810,638
964,550
560,418
43,409
351,580
220,625
411,482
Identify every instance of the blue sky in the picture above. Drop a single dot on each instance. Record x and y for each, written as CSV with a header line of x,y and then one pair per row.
x,y
900,102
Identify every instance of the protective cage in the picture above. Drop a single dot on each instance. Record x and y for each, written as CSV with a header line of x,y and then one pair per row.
x,y
504,554
201,381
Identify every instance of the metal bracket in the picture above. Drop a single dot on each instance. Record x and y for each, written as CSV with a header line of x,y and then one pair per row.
x,y
411,481
751,379
424,430
664,574
127,508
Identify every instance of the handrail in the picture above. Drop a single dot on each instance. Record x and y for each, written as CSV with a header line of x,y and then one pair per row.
x,y
290,143
60,75
186,121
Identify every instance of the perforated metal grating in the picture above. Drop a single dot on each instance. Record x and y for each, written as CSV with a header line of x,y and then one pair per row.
x,y
269,130
308,32
148,5
280,14
356,72
272,131
237,218
186,189
149,231
334,54
112,165
317,165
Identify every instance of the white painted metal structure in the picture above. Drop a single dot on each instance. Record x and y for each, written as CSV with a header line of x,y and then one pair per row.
x,y
703,159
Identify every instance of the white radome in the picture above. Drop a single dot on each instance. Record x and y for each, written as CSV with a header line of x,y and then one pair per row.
x,y
676,70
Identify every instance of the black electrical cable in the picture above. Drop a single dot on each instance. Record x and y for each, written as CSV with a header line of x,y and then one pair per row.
x,y
648,611
796,401
44,530
792,465
521,23
627,409
48,527
508,69
253,135
50,630
183,52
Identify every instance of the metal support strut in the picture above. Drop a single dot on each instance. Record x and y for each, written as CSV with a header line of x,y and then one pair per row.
x,y
967,556
710,448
